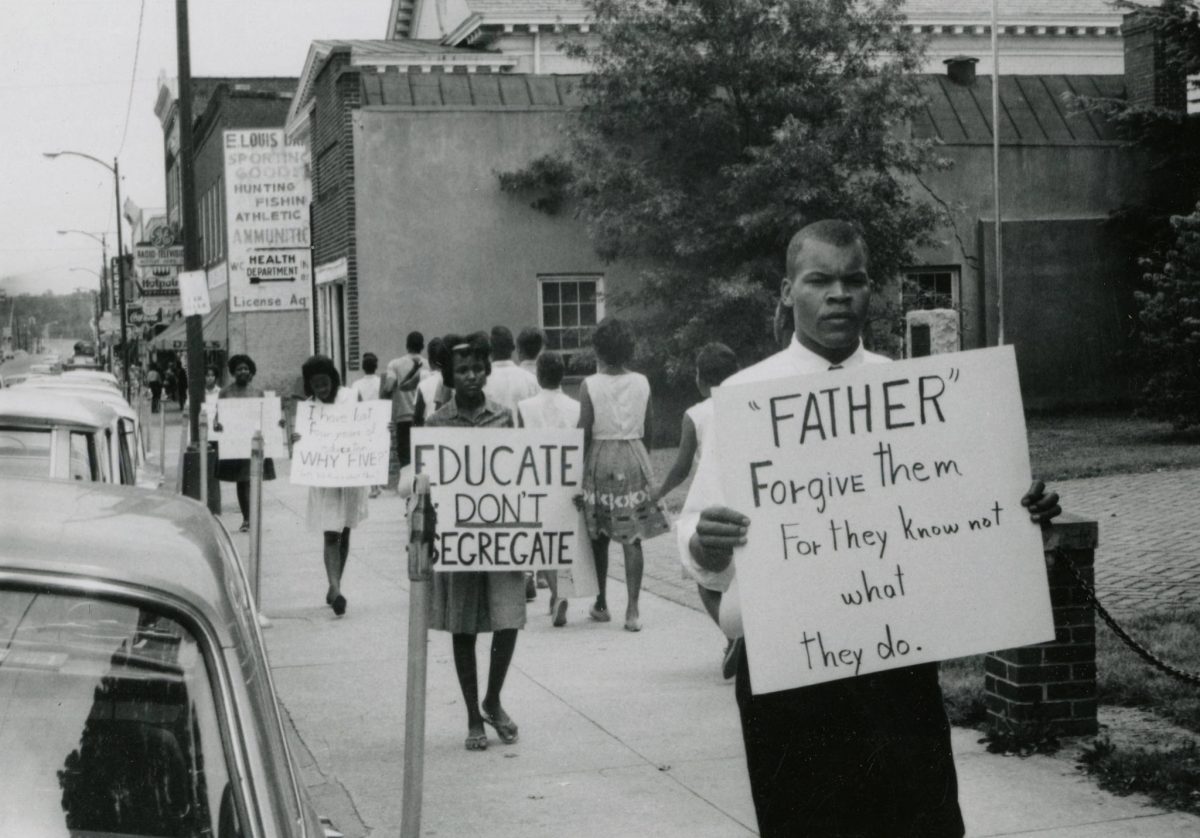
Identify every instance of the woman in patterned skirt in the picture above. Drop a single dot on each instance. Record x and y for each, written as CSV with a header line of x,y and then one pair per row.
x,y
618,478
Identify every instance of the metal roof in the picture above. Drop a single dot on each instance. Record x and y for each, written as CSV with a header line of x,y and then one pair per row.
x,y
34,407
1012,11
1033,111
471,90
124,535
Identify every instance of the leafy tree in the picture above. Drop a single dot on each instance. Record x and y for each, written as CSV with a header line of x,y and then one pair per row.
x,y
712,130
1165,227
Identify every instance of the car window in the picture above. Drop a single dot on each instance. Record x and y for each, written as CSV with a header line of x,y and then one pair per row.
x,y
83,457
25,452
109,723
125,452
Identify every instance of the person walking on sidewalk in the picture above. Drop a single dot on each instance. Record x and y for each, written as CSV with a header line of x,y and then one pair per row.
x,y
714,363
400,385
368,388
155,383
530,341
469,603
332,510
432,393
617,475
243,369
869,756
552,408
509,385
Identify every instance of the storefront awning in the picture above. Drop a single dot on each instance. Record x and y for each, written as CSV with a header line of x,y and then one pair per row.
x,y
174,337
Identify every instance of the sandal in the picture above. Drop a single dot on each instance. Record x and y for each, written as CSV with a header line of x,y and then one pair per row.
x,y
600,615
245,527
505,728
476,742
633,624
560,613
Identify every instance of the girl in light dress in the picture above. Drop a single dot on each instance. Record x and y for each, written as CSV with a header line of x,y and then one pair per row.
x,y
333,511
618,477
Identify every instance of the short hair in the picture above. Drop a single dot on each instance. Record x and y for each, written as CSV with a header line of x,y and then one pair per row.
x,y
831,231
237,360
370,362
613,341
319,365
438,357
502,343
474,345
415,342
550,370
530,341
214,369
714,363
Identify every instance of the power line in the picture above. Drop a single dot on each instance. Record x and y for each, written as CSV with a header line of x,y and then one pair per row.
x,y
137,48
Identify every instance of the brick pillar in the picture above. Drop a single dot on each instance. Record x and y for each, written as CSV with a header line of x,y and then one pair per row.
x,y
1051,687
1151,78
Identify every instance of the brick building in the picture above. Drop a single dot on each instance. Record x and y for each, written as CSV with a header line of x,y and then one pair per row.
x,y
278,341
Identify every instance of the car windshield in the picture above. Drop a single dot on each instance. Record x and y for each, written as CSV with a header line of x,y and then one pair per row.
x,y
25,452
108,725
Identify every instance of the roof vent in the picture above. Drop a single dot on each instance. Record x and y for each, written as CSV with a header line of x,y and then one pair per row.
x,y
961,69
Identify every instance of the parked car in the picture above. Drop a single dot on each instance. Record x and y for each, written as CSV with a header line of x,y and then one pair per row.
x,y
127,456
138,700
92,374
45,434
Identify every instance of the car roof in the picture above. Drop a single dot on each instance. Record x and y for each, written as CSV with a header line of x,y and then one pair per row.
x,y
32,406
124,535
89,374
64,380
82,390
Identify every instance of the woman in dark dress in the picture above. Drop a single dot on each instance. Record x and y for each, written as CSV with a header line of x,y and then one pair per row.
x,y
243,369
468,603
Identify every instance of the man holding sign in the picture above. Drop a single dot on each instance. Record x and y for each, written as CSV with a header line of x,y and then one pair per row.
x,y
865,750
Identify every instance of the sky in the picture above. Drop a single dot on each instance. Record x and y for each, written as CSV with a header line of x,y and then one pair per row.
x,y
66,76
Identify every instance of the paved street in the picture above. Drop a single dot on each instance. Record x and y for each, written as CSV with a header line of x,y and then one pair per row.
x,y
621,734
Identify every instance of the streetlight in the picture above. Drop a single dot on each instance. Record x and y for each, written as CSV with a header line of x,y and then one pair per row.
x,y
100,237
115,168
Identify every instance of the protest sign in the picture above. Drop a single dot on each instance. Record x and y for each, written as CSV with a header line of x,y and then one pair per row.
x,y
504,497
234,421
886,526
341,444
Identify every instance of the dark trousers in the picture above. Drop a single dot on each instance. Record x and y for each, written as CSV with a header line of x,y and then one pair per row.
x,y
867,757
403,440
155,396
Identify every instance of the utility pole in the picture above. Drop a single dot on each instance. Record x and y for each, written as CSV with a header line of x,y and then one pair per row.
x,y
187,198
121,282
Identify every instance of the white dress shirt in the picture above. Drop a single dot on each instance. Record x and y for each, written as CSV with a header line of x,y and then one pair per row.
x,y
509,385
707,489
549,409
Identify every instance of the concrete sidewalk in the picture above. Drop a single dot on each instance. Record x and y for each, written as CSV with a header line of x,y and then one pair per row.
x,y
621,734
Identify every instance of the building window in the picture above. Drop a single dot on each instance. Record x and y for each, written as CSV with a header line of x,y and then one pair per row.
x,y
926,288
331,323
571,305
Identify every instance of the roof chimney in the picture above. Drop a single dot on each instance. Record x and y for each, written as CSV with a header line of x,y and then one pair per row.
x,y
961,69
1152,79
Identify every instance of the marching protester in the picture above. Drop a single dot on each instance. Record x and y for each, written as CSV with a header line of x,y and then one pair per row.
x,y
618,476
551,408
864,756
332,510
530,341
243,369
432,392
368,388
212,390
714,364
508,385
400,385
469,603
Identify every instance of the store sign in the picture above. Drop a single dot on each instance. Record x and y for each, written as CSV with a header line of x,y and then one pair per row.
x,y
268,189
158,260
